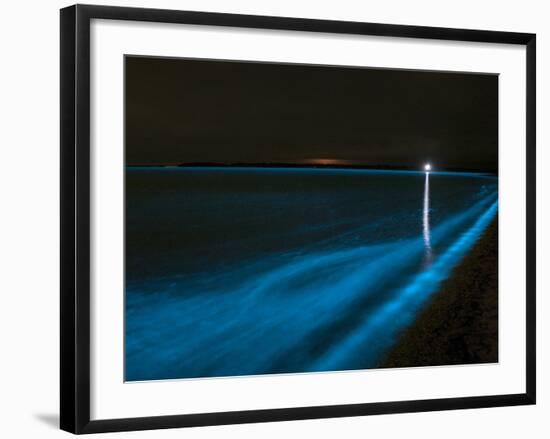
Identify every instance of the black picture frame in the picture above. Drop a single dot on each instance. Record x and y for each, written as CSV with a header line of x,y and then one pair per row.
x,y
75,217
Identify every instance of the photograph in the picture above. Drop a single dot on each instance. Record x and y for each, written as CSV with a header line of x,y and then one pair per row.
x,y
295,218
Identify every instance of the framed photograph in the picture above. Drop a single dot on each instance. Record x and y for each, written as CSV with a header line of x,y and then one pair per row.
x,y
268,218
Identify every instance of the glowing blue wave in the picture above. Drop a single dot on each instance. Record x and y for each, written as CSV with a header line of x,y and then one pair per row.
x,y
321,310
378,332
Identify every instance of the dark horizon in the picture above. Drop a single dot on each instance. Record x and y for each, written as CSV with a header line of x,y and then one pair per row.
x,y
352,166
201,112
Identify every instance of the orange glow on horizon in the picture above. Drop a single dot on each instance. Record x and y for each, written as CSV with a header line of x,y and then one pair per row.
x,y
327,161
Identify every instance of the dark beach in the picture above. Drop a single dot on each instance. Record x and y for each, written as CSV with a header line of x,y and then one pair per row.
x,y
460,324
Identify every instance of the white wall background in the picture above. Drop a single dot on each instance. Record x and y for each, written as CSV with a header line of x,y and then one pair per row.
x,y
29,206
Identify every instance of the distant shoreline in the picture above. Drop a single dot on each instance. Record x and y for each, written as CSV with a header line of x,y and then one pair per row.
x,y
306,165
460,324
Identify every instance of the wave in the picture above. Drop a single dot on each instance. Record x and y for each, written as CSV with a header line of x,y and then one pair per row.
x,y
317,311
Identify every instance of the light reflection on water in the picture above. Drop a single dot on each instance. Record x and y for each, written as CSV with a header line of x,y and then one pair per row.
x,y
320,309
426,221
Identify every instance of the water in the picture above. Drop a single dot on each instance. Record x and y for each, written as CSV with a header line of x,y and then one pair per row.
x,y
244,271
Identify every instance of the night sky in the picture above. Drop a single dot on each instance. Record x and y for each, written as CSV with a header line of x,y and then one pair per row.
x,y
189,111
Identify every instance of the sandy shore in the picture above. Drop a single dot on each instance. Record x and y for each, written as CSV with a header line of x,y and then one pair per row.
x,y
460,324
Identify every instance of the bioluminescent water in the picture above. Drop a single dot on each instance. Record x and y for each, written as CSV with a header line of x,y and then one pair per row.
x,y
245,271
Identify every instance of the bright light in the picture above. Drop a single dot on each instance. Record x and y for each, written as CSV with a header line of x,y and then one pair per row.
x,y
427,167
